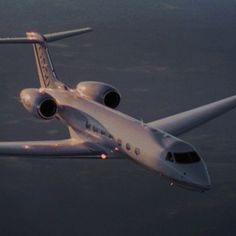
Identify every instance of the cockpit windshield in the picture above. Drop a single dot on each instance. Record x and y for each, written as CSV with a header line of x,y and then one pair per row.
x,y
183,158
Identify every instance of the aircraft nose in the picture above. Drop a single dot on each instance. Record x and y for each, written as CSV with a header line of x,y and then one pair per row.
x,y
199,177
187,168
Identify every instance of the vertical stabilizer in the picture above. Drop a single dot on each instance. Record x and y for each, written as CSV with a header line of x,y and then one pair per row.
x,y
46,71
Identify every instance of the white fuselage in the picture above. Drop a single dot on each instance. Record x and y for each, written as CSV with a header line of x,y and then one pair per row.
x,y
114,130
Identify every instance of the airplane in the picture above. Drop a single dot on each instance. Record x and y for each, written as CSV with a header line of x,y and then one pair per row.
x,y
97,130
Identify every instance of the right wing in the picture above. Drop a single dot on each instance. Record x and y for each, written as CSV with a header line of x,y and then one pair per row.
x,y
186,121
68,148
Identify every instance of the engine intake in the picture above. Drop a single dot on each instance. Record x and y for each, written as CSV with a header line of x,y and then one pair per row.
x,y
40,104
112,99
48,109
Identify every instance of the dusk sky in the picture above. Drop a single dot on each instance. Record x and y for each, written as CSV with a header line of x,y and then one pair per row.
x,y
164,57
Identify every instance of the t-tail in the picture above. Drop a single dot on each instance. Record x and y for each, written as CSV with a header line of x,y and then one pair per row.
x,y
46,71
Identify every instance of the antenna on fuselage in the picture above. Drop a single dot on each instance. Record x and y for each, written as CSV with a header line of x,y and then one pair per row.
x,y
142,123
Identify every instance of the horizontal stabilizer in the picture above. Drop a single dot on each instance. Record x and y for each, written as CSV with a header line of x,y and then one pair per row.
x,y
46,37
65,34
18,40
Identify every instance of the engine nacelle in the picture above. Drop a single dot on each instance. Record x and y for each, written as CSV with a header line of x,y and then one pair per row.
x,y
40,104
100,92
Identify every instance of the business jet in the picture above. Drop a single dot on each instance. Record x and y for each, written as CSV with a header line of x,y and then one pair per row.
x,y
98,131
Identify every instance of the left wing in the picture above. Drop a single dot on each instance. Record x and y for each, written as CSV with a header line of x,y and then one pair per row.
x,y
185,121
68,148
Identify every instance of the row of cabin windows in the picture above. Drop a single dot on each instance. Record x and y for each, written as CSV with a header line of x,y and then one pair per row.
x,y
128,147
119,141
96,130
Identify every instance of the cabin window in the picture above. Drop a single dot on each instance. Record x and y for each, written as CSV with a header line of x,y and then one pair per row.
x,y
170,157
128,146
110,136
88,126
119,142
95,129
103,132
137,151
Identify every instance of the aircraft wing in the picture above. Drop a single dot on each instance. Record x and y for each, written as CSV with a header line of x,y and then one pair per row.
x,y
68,148
185,121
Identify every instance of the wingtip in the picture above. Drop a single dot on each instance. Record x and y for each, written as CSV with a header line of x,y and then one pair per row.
x,y
89,28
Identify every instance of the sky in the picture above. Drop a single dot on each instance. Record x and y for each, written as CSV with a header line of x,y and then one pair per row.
x,y
164,57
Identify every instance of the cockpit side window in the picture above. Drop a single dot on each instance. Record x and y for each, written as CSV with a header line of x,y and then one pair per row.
x,y
186,157
170,157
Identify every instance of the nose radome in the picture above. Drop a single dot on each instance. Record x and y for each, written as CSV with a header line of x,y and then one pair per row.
x,y
200,177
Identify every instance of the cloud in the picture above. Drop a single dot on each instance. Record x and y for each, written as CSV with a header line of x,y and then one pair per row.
x,y
60,45
140,90
146,69
86,45
52,132
169,7
140,69
11,122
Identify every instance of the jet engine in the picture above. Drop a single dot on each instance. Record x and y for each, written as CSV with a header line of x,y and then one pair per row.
x,y
99,92
40,104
